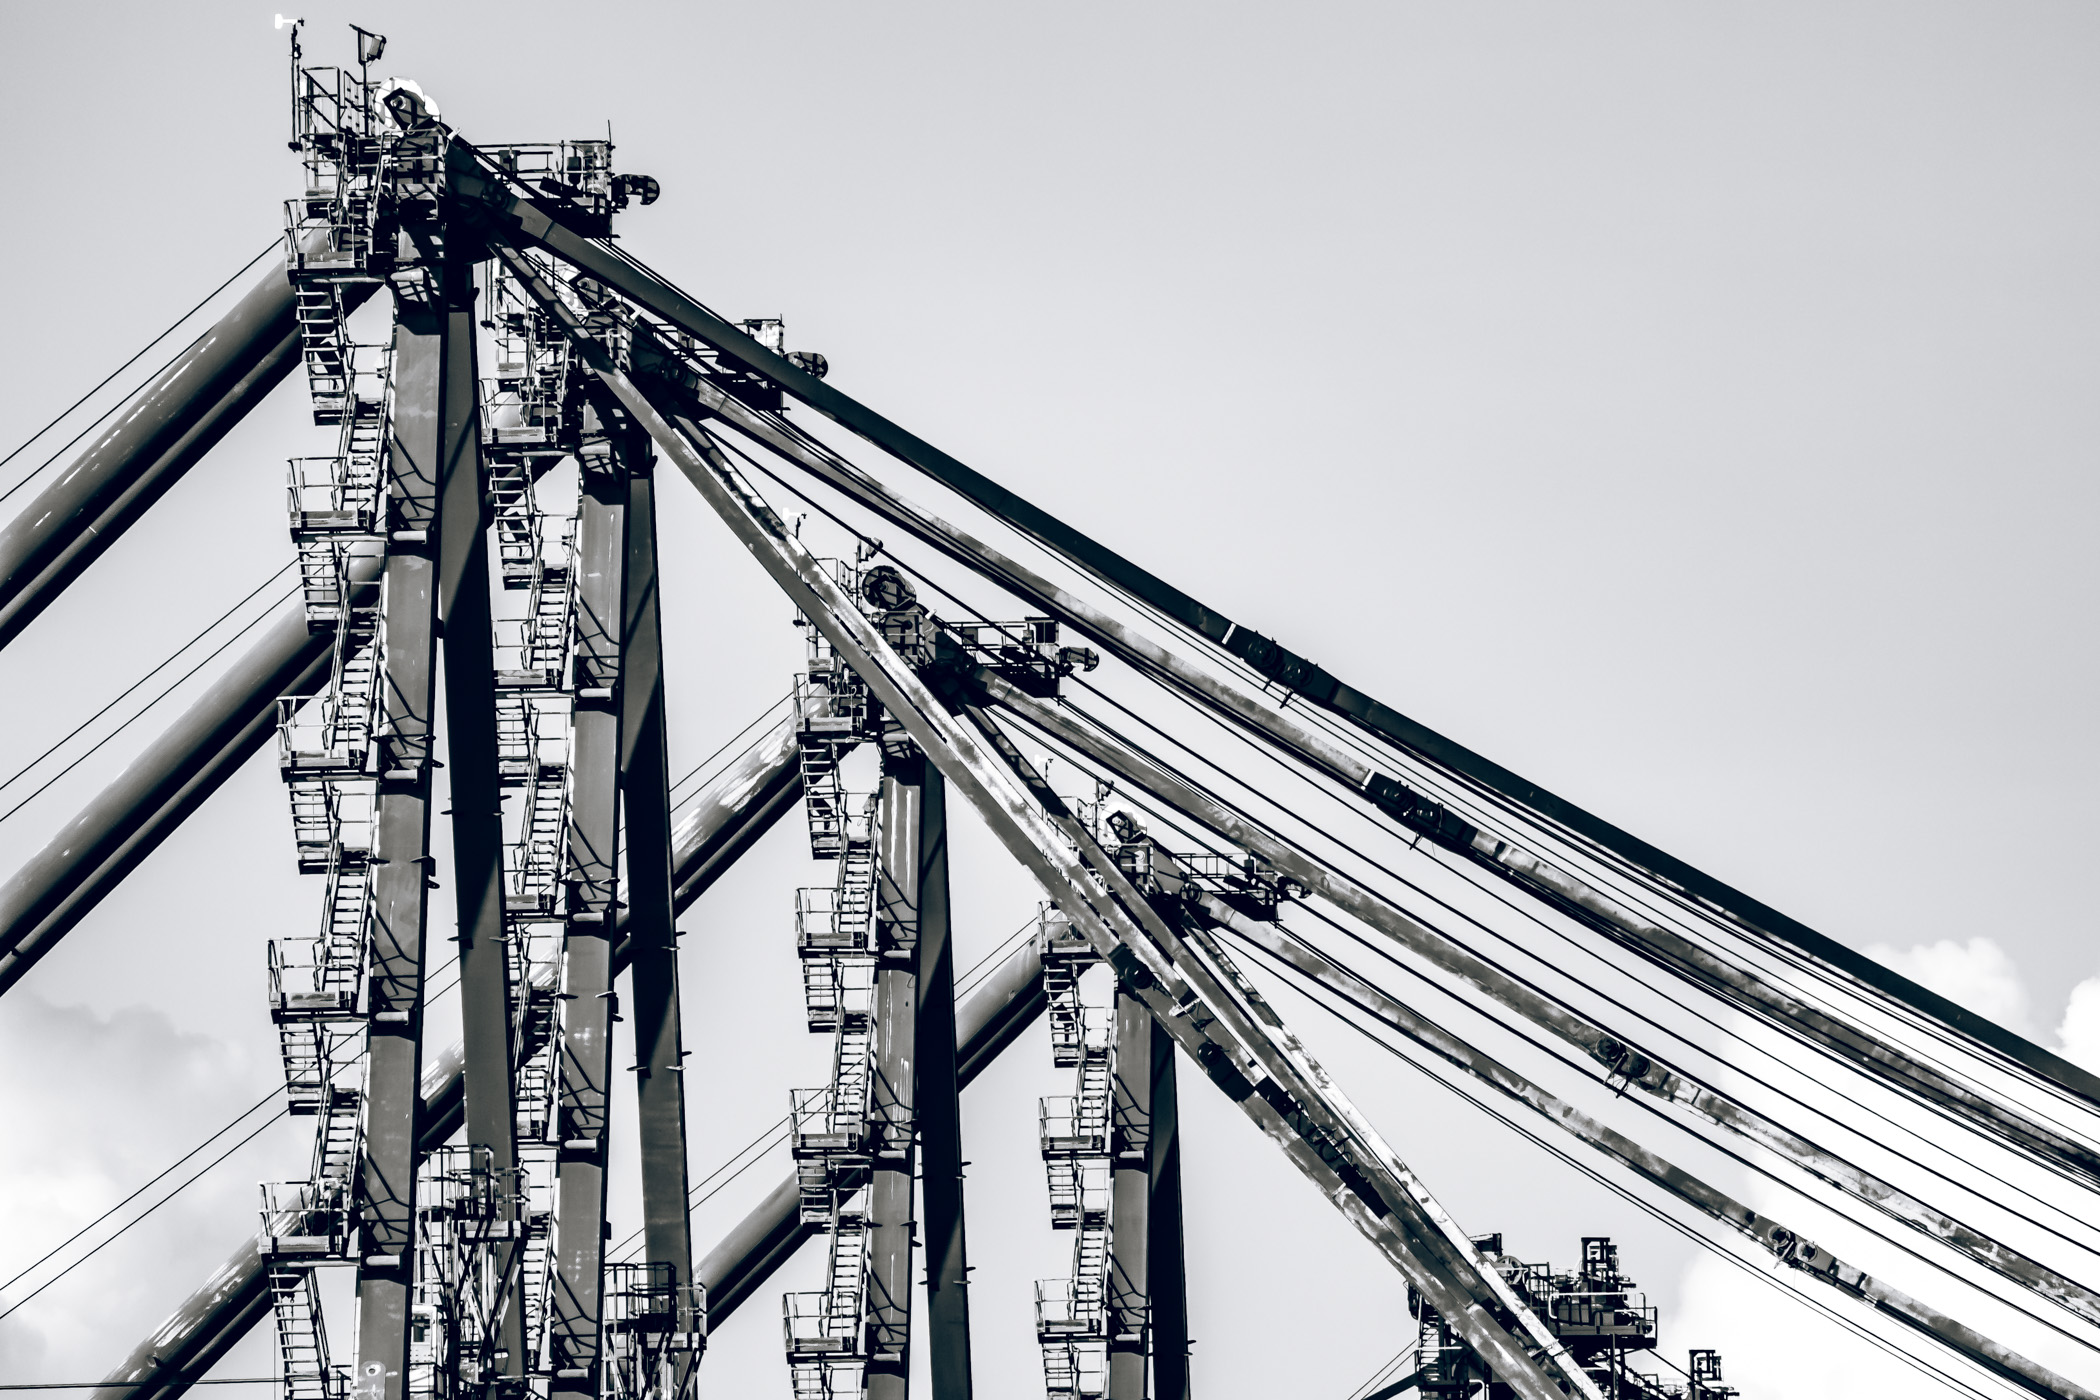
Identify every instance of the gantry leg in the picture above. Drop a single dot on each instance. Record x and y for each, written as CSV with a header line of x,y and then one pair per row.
x,y
433,410
477,823
1130,1135
646,801
891,1119
1165,1269
937,1099
587,995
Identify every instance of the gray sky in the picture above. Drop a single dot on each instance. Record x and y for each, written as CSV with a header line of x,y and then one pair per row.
x,y
1687,406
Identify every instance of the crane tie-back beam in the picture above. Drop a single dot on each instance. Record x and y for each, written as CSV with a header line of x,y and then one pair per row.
x,y
161,432
1622,1064
1437,1260
171,778
1416,813
1790,1247
520,219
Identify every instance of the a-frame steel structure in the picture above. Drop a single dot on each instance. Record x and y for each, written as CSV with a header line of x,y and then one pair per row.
x,y
511,435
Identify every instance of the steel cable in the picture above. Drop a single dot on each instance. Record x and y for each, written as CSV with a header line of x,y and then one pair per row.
x,y
24,446
1632,1197
1724,1031
21,772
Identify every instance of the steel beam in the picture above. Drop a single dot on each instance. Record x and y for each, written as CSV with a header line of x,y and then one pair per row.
x,y
157,436
576,1310
128,820
1130,1210
1384,1202
1609,1052
527,222
892,1119
645,791
1166,1268
774,786
434,410
485,1009
936,1094
1789,1247
1414,812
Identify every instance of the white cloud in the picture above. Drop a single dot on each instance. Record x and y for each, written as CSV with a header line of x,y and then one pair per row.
x,y
1978,974
2078,1034
1771,1346
95,1105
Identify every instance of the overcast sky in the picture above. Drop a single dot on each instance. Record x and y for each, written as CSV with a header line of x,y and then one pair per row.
x,y
1688,406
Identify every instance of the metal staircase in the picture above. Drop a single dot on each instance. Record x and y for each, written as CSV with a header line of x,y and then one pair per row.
x,y
827,1332
315,982
835,936
302,1342
1065,954
649,1348
1072,1312
833,712
314,1221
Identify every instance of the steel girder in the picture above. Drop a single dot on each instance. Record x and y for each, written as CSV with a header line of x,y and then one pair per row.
x,y
1417,815
1172,792
645,802
435,434
936,1093
1595,1045
159,434
892,1100
1292,1107
525,222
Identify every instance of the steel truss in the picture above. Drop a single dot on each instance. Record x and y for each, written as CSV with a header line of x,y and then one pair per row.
x,y
466,1192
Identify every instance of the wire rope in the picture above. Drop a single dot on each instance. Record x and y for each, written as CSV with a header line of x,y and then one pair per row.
x,y
24,445
1625,1193
97,745
1699,1132
19,773
122,1230
732,739
1726,1032
162,1175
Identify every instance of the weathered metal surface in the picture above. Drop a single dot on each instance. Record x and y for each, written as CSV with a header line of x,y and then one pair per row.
x,y
1130,1229
1787,1246
485,1009
1165,1260
651,898
892,1112
575,1311
1618,1059
157,436
1422,1254
936,1094
424,426
536,226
